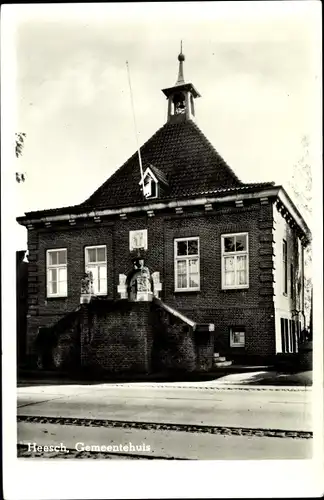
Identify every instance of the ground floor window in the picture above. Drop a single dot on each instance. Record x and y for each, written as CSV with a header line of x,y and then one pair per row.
x,y
237,337
96,263
56,267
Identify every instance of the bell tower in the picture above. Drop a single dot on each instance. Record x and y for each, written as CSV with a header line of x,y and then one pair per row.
x,y
181,96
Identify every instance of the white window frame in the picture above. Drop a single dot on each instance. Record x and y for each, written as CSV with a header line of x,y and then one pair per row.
x,y
236,330
55,266
234,254
147,188
187,258
96,264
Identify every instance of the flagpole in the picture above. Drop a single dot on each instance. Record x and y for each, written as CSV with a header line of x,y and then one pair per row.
x,y
135,127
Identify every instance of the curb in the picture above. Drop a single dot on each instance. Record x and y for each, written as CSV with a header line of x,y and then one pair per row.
x,y
225,387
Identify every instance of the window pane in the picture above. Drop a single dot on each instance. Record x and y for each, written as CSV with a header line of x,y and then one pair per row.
x,y
182,274
229,244
229,278
241,243
182,247
193,247
63,288
241,270
62,274
194,281
238,338
182,267
52,258
102,286
182,281
193,266
53,287
101,254
62,257
53,275
241,278
92,257
229,263
102,272
241,262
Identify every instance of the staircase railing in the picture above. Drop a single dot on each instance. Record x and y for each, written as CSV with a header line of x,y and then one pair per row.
x,y
175,313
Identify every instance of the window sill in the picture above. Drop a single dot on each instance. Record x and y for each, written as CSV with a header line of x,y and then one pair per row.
x,y
237,346
186,290
54,297
235,288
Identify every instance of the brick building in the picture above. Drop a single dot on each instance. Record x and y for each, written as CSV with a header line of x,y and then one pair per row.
x,y
222,252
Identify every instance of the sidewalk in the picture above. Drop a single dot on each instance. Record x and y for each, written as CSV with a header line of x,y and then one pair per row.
x,y
253,380
268,378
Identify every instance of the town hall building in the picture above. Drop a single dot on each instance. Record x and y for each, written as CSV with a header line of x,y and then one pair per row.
x,y
173,261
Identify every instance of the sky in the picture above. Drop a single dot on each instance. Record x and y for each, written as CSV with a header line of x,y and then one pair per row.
x,y
254,64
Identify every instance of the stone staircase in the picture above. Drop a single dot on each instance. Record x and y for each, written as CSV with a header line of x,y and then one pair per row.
x,y
220,361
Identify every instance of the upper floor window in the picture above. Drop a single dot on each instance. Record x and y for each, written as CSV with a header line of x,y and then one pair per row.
x,y
235,261
285,266
56,266
186,264
96,263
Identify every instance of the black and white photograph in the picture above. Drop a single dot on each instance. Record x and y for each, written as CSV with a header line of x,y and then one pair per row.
x,y
162,248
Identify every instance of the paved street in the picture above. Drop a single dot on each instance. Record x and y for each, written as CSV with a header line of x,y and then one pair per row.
x,y
185,404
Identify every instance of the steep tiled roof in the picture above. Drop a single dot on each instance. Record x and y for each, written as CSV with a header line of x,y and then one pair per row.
x,y
182,153
159,175
178,152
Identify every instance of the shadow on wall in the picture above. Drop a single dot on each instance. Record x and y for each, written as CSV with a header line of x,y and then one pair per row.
x,y
120,337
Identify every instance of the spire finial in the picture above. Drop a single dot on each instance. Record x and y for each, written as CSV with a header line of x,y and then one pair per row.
x,y
181,58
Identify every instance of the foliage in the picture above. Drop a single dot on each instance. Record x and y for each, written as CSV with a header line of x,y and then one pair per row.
x,y
301,186
20,140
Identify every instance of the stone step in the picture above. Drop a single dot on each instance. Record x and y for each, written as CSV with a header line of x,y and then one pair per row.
x,y
222,364
216,355
219,359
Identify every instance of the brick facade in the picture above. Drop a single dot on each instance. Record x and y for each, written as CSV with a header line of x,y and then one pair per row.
x,y
251,308
196,194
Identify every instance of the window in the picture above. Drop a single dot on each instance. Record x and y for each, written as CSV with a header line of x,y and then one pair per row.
x,y
237,337
186,265
96,263
285,266
56,265
150,187
235,262
149,184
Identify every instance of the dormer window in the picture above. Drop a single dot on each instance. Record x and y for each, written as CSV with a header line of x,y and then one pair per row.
x,y
150,187
154,182
149,184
